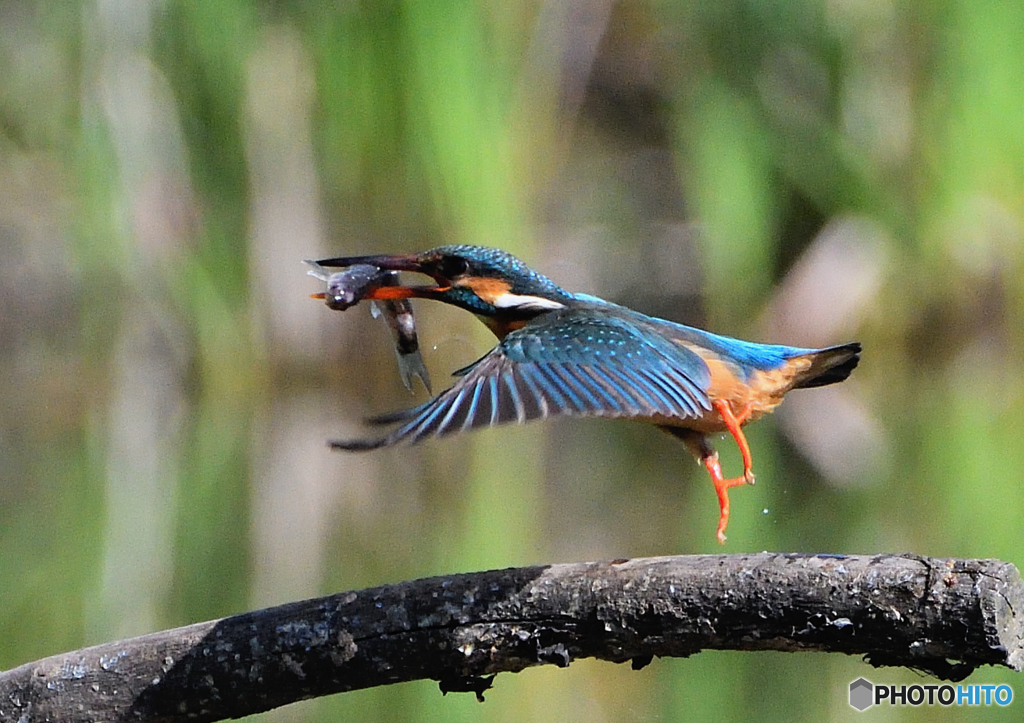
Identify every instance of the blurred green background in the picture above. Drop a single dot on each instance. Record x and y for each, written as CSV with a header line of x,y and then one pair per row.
x,y
801,172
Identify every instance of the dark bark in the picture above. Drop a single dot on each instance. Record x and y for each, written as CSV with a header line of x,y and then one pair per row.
x,y
945,617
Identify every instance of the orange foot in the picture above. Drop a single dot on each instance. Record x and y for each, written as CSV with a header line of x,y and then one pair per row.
x,y
733,423
722,486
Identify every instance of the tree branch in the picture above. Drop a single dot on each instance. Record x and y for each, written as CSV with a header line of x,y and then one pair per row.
x,y
946,617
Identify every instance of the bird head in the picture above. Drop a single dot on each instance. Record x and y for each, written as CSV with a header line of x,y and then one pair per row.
x,y
486,281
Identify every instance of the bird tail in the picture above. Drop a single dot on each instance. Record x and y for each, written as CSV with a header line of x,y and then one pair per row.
x,y
829,366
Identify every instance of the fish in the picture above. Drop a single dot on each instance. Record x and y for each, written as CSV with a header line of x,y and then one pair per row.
x,y
347,288
400,317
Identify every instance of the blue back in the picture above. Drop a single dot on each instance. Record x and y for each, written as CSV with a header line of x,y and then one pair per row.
x,y
748,355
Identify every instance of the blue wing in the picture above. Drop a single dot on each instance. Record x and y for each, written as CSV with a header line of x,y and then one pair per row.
x,y
571,362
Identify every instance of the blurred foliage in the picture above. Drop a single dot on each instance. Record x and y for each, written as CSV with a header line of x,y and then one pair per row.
x,y
165,166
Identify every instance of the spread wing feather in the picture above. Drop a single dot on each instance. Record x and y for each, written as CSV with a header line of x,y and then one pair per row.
x,y
565,363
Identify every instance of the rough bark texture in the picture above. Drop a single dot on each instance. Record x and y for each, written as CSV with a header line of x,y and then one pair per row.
x,y
946,617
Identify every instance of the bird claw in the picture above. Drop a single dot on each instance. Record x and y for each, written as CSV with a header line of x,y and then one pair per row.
x,y
722,486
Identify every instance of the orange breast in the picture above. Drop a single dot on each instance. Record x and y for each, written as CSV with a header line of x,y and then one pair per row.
x,y
501,327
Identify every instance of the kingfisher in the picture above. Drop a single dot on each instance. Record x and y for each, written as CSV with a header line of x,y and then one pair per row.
x,y
573,354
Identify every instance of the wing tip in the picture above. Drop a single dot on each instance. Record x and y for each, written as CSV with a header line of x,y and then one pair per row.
x,y
357,445
388,418
380,420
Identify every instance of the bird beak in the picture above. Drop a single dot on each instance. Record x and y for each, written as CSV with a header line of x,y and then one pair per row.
x,y
397,262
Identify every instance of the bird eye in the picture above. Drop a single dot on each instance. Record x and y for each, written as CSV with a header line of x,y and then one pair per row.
x,y
452,266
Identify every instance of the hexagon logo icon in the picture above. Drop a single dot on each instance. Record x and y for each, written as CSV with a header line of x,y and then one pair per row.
x,y
862,694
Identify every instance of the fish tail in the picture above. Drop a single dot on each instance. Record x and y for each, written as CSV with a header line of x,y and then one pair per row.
x,y
411,365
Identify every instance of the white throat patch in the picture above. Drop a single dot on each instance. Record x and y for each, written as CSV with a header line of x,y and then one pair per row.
x,y
508,300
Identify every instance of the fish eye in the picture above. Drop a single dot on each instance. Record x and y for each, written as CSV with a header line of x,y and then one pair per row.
x,y
452,266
